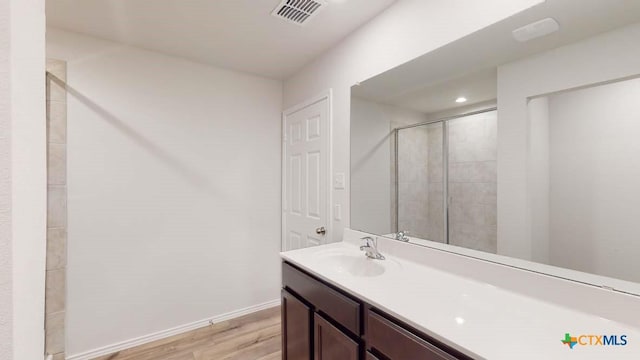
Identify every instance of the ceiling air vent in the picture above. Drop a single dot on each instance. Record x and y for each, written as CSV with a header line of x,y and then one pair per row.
x,y
298,11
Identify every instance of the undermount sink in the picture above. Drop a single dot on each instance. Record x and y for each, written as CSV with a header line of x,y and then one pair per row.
x,y
352,264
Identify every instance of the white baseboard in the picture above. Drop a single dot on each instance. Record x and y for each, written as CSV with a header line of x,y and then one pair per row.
x,y
123,345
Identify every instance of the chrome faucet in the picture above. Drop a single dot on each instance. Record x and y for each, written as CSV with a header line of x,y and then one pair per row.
x,y
401,235
371,248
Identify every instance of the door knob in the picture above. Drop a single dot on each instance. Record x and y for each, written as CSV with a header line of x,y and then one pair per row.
x,y
321,230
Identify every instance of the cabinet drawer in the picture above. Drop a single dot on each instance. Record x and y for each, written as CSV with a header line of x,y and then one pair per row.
x,y
337,306
397,343
370,356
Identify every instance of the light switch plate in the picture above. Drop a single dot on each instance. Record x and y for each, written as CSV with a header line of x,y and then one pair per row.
x,y
338,181
337,212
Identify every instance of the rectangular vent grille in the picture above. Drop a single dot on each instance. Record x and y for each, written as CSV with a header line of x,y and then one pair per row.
x,y
297,11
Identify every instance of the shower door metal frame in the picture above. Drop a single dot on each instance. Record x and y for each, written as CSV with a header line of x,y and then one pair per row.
x,y
445,164
445,178
395,180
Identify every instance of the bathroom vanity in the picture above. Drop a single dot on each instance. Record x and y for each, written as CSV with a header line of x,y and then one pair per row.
x,y
322,322
425,303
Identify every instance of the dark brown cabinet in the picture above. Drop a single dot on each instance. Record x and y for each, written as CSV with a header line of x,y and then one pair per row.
x,y
336,305
394,342
296,328
321,322
370,356
330,343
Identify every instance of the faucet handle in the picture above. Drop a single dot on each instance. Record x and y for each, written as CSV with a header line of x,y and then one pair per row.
x,y
369,243
402,235
371,248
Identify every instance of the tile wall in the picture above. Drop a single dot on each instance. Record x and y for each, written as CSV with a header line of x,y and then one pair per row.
x,y
435,202
55,293
413,185
473,182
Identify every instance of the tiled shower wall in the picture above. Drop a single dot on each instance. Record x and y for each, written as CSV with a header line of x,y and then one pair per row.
x,y
413,187
435,204
473,182
55,293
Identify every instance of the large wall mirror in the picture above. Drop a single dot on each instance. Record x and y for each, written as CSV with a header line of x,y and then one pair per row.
x,y
518,144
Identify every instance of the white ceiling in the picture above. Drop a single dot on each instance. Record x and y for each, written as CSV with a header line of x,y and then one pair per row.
x,y
235,34
479,87
432,82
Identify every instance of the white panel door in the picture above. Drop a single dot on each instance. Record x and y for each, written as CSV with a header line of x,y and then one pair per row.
x,y
305,218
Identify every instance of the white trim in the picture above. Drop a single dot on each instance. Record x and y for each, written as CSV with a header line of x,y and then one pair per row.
x,y
283,182
327,94
127,344
310,101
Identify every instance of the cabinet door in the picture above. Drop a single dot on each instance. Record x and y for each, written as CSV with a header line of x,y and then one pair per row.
x,y
296,328
331,343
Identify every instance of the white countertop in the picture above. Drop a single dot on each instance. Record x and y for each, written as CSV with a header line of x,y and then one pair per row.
x,y
479,319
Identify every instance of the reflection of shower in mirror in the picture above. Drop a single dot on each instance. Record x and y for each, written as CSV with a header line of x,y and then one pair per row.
x,y
538,165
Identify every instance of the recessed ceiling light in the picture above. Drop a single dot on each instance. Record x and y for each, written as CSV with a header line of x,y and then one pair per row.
x,y
461,99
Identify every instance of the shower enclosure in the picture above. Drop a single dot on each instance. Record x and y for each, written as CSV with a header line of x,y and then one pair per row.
x,y
444,179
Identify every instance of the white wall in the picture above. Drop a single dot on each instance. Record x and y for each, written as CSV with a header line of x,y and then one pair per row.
x,y
371,166
406,30
371,162
595,178
174,191
539,177
6,269
460,110
602,58
22,179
